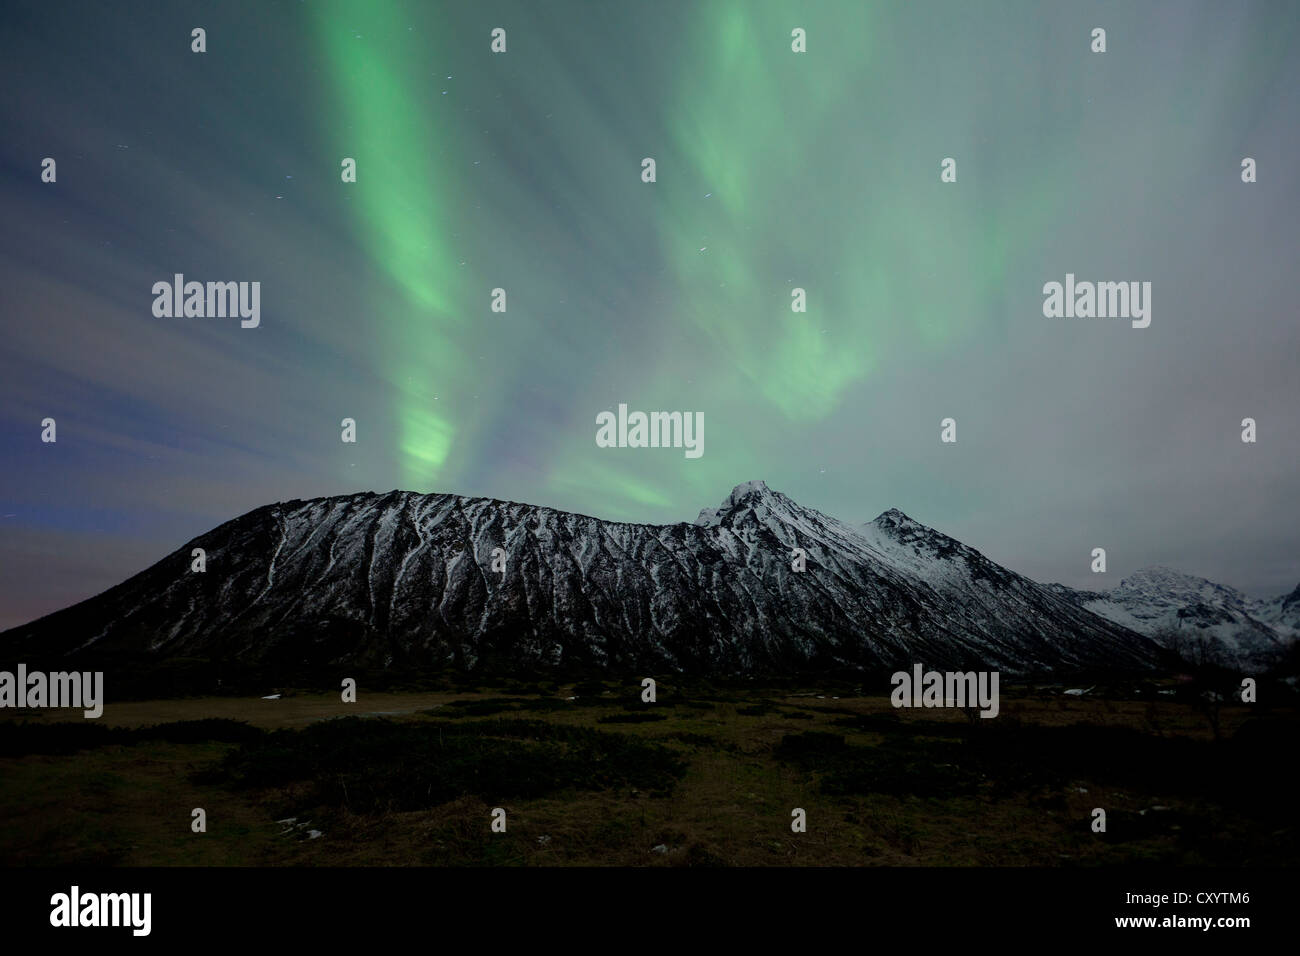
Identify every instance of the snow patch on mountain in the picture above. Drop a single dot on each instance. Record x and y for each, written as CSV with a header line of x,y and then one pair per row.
x,y
1173,607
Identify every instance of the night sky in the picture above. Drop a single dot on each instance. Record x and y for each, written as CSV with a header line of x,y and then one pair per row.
x,y
775,170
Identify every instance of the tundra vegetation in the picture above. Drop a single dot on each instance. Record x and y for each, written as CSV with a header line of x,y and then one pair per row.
x,y
708,774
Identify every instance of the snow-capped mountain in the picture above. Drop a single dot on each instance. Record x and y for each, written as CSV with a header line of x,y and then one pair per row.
x,y
1283,612
1172,607
405,578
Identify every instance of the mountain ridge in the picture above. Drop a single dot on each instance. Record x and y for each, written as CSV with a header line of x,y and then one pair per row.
x,y
403,578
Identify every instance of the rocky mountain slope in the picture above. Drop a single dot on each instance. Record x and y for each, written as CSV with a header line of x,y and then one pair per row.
x,y
404,578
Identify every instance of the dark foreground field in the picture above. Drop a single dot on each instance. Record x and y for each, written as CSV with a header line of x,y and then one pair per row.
x,y
702,777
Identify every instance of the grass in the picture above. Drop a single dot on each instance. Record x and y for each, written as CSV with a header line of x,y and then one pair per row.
x,y
710,776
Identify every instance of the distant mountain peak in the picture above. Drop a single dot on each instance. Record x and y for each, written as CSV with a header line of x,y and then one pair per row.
x,y
1159,601
747,489
1160,572
746,494
896,526
1175,585
893,518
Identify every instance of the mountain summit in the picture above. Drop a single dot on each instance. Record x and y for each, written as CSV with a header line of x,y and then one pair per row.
x,y
760,584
